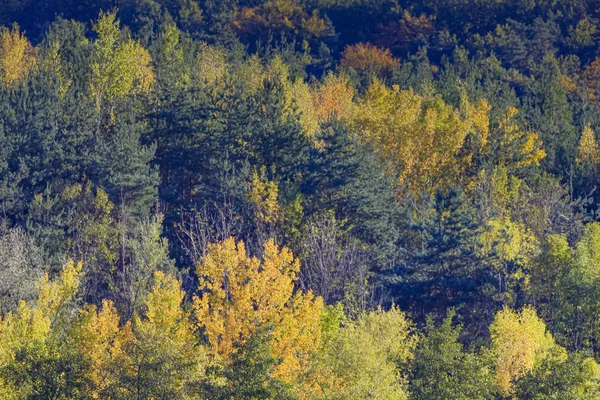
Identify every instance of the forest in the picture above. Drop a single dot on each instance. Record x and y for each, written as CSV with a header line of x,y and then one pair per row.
x,y
300,199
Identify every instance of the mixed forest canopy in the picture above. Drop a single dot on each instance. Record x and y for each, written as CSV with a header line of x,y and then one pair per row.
x,y
300,199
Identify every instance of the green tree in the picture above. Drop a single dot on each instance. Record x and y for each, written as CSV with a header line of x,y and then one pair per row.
x,y
443,369
248,374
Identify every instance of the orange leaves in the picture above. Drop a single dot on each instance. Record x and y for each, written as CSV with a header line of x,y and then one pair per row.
x,y
328,100
591,75
17,56
369,59
408,30
333,98
239,294
280,16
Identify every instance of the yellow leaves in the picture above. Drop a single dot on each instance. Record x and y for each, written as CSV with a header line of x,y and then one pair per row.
x,y
164,313
505,190
299,96
52,295
314,25
511,241
165,337
478,117
102,342
517,148
584,32
263,194
297,336
147,351
119,67
17,56
588,153
333,98
587,267
328,100
361,360
520,342
96,237
211,66
31,324
53,62
419,139
240,294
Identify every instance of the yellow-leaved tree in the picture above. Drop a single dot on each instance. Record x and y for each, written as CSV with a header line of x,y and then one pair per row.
x,y
167,357
315,104
513,244
156,356
512,146
30,329
240,294
588,152
365,358
520,342
17,56
102,341
211,67
263,194
421,140
119,67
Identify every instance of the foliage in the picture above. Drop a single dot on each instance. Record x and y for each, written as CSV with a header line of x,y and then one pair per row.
x,y
521,343
416,156
17,56
239,294
366,358
444,369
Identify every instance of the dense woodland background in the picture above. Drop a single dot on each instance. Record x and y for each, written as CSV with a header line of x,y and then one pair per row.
x,y
299,199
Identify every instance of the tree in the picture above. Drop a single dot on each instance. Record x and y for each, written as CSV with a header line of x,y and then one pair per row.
x,y
118,67
155,355
513,147
588,153
369,62
577,378
420,140
520,343
239,294
17,56
167,360
365,358
35,361
564,281
145,252
446,269
102,342
78,222
248,373
21,266
443,369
